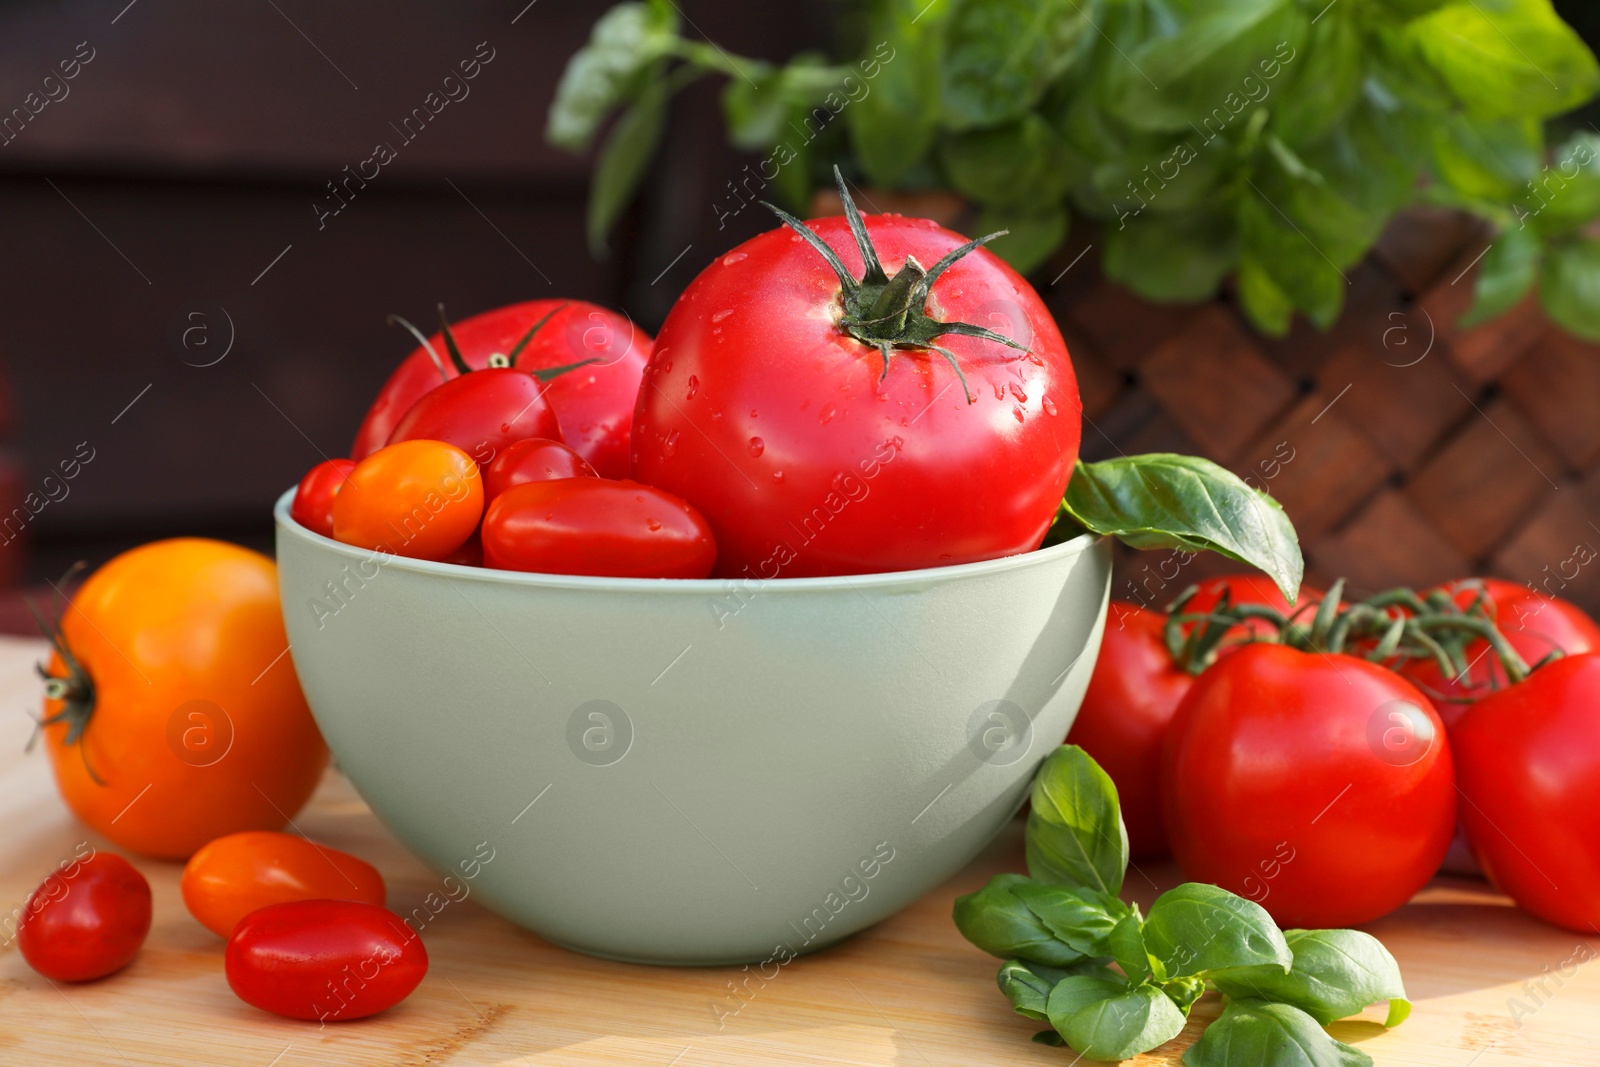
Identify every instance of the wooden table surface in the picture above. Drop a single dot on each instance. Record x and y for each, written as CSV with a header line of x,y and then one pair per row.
x,y
909,991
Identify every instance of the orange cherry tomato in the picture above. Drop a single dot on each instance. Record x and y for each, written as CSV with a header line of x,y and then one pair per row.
x,y
421,499
172,711
234,875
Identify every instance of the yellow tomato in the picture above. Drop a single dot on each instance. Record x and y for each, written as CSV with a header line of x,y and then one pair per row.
x,y
415,498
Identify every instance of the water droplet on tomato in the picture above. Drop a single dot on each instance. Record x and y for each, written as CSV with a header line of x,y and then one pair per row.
x,y
715,415
666,366
999,391
1049,406
757,446
777,476
1017,411
1016,391
653,524
669,447
724,313
694,387
827,414
734,257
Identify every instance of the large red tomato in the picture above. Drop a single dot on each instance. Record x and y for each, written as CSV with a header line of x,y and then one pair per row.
x,y
594,403
813,447
1528,764
1132,695
1319,785
1534,624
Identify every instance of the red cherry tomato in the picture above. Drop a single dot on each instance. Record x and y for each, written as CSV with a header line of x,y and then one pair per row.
x,y
313,500
1319,786
1534,624
1528,764
481,413
808,457
237,874
1132,695
532,460
86,920
330,960
1248,589
597,526
594,402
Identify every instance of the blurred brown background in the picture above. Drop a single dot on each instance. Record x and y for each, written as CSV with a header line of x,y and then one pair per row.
x,y
173,306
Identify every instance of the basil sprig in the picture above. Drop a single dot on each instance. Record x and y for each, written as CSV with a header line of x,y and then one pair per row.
x,y
1113,982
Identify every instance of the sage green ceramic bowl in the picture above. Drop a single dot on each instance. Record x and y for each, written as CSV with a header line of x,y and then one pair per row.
x,y
691,772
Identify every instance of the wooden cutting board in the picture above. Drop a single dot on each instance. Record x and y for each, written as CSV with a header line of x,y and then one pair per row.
x,y
909,991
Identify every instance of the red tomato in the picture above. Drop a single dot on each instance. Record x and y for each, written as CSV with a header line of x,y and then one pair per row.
x,y
1131,698
1317,785
421,499
597,526
812,452
234,875
313,500
1528,765
86,920
594,403
481,413
533,460
1534,624
329,960
1249,589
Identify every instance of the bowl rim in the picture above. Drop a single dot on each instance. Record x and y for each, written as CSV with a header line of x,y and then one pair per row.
x,y
694,586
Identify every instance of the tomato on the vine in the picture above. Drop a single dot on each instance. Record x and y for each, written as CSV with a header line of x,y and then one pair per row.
x,y
828,419
173,714
533,460
599,527
237,874
313,498
1318,785
1132,695
86,920
330,960
1528,765
593,403
421,499
1255,589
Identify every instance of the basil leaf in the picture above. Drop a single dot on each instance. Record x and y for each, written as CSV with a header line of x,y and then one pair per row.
x,y
1250,1033
1032,235
602,74
1336,973
1162,500
1570,194
1075,835
759,106
1299,267
1505,274
1126,945
1117,1027
1268,309
1508,59
1325,80
1081,923
1487,161
1000,55
1021,163
893,126
1048,1037
1028,985
1184,991
1198,927
1074,993
1170,258
1570,286
629,149
998,922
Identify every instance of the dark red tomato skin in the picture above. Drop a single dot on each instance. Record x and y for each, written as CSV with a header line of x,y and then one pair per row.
x,y
1132,695
1279,787
1533,623
761,413
87,921
330,960
532,460
1528,765
481,413
596,526
593,403
313,499
1248,589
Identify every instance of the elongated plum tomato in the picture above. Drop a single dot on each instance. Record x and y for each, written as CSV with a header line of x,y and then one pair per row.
x,y
86,920
1534,624
237,874
1528,765
596,526
594,403
421,499
1132,695
1317,785
313,499
481,413
533,460
816,424
172,714
331,960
